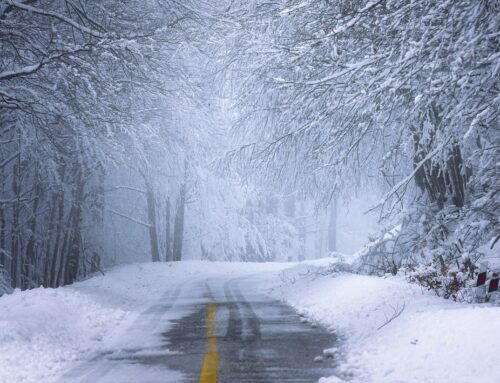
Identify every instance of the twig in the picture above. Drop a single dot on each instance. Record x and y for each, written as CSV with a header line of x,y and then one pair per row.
x,y
394,316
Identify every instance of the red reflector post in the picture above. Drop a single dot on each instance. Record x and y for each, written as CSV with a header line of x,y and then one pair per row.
x,y
493,285
481,279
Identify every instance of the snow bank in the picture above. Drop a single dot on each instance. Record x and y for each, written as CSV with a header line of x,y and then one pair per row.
x,y
393,331
42,330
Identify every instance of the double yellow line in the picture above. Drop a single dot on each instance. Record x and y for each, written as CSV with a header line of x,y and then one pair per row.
x,y
210,366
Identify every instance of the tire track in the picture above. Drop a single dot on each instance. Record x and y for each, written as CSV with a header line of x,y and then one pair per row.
x,y
240,360
235,323
253,321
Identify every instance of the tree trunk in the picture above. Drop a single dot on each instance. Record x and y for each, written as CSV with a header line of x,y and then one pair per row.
x,y
440,181
47,258
332,225
290,206
153,236
168,239
179,224
63,256
59,230
75,243
302,223
3,250
30,265
15,237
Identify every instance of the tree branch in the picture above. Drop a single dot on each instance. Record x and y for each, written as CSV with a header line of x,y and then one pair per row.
x,y
139,222
67,20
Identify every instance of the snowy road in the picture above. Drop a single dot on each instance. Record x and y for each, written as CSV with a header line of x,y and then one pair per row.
x,y
198,321
214,330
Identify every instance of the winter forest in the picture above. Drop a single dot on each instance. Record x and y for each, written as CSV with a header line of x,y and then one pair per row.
x,y
171,130
223,191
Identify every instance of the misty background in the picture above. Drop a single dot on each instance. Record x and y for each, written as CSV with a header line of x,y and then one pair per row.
x,y
246,131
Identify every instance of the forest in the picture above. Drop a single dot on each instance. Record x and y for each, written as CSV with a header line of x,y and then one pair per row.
x,y
231,130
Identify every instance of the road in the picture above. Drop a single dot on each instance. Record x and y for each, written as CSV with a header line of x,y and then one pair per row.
x,y
214,330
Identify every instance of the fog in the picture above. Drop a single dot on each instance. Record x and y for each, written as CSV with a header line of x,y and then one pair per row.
x,y
243,131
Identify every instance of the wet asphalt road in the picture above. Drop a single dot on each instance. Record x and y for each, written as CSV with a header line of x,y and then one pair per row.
x,y
252,339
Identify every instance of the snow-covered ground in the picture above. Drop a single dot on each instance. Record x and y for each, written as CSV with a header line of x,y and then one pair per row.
x,y
45,332
431,340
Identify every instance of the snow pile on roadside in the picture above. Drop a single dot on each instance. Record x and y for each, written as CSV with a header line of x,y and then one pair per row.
x,y
393,331
42,330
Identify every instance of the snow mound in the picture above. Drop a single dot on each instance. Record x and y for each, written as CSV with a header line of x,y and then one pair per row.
x,y
41,328
394,332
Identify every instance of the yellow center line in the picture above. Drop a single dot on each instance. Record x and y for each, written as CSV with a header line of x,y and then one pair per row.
x,y
210,364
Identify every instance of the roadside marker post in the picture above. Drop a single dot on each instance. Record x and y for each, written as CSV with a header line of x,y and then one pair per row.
x,y
494,295
487,284
481,279
481,283
493,287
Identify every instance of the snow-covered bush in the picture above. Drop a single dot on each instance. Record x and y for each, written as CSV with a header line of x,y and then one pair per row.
x,y
379,256
441,249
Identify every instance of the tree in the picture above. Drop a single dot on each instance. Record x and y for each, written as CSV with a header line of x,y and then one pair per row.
x,y
69,105
332,225
168,239
338,94
179,224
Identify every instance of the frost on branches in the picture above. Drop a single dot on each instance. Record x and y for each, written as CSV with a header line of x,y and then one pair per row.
x,y
393,95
